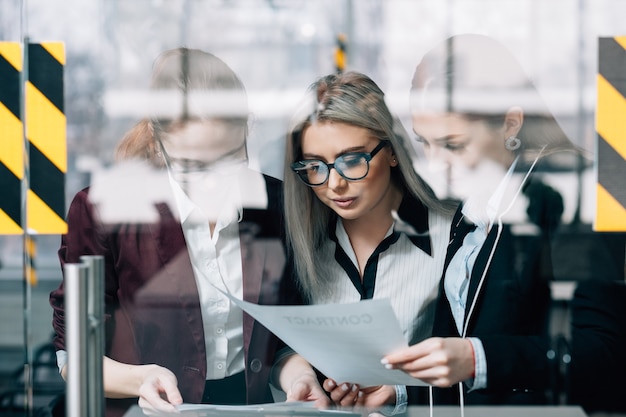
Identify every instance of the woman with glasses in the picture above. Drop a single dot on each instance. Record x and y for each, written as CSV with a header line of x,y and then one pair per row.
x,y
360,222
171,335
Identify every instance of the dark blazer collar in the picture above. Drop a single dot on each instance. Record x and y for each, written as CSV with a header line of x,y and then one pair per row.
x,y
461,225
460,228
415,213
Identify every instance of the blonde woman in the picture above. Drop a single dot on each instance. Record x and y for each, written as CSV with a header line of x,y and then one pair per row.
x,y
351,195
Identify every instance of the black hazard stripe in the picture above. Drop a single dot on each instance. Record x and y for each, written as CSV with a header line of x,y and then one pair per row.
x,y
610,174
46,180
10,195
46,74
612,64
10,87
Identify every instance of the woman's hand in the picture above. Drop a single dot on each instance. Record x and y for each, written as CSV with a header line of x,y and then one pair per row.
x,y
441,362
307,388
159,391
343,395
346,395
156,386
299,381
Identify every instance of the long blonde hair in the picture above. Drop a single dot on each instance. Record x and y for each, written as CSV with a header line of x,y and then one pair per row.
x,y
355,99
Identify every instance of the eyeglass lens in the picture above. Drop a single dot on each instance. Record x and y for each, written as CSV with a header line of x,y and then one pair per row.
x,y
351,166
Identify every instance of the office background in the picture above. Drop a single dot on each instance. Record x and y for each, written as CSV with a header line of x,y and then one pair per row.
x,y
278,47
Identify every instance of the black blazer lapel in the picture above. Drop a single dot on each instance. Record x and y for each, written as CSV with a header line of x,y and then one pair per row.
x,y
482,263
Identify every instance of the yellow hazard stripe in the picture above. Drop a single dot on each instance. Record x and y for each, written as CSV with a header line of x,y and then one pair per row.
x,y
11,130
340,59
31,253
8,226
611,130
610,119
56,50
611,214
46,134
12,52
46,127
11,139
41,218
340,53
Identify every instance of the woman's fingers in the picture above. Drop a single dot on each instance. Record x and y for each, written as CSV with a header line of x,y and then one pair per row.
x,y
344,394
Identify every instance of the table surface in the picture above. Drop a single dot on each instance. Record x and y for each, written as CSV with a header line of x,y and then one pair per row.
x,y
413,411
503,411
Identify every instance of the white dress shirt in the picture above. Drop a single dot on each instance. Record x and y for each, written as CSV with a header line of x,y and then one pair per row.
x,y
404,273
216,262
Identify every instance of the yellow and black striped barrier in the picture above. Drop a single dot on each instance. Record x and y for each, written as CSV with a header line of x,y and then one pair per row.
x,y
340,53
45,130
46,133
611,130
11,139
30,249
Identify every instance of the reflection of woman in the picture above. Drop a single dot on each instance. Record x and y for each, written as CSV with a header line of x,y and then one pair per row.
x,y
479,117
171,336
347,172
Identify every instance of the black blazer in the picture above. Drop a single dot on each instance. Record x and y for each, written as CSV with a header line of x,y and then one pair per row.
x,y
510,316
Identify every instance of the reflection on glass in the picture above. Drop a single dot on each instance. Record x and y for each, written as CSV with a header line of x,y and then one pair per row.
x,y
486,133
180,219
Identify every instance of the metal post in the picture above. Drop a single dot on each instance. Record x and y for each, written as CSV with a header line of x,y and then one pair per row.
x,y
95,334
84,320
25,186
76,326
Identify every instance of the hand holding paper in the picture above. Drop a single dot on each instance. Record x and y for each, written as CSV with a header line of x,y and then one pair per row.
x,y
344,341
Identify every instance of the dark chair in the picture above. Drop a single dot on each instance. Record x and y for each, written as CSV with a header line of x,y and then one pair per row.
x,y
596,375
47,386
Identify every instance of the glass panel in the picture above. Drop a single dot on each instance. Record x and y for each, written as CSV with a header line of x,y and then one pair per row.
x,y
277,48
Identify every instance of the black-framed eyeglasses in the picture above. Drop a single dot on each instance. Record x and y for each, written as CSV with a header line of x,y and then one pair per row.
x,y
192,166
352,166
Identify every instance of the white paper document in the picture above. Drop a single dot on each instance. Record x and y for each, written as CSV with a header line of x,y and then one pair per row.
x,y
344,341
296,408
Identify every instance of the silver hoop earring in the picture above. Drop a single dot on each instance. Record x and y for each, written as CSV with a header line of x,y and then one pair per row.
x,y
512,143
